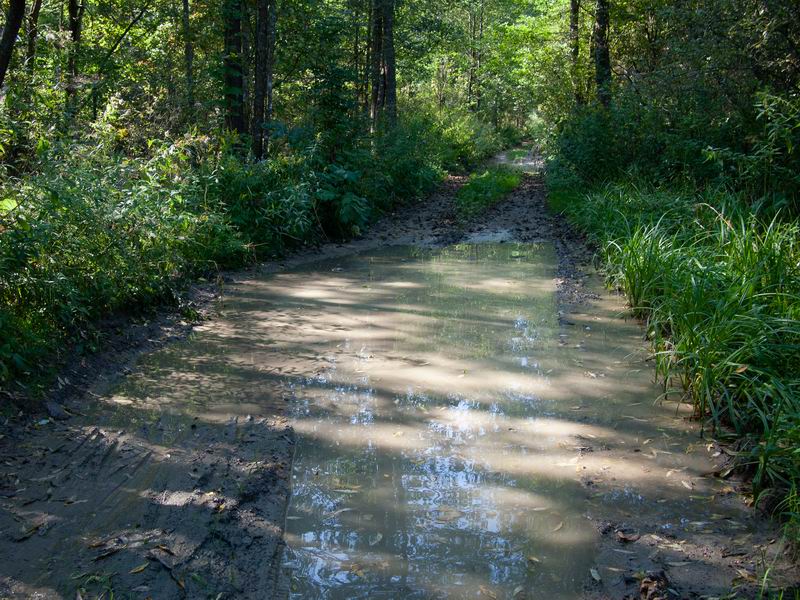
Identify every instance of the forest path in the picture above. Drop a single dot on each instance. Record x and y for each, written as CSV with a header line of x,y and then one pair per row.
x,y
175,480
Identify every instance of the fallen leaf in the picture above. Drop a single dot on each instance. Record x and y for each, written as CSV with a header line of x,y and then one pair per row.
x,y
595,574
559,526
139,569
626,538
686,484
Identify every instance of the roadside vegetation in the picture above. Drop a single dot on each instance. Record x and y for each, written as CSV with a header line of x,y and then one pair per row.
x,y
144,145
685,175
485,188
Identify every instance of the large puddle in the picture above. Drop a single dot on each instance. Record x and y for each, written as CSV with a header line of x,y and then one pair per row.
x,y
454,432
443,431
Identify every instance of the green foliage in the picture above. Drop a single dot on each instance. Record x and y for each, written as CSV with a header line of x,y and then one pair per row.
x,y
483,189
720,291
92,233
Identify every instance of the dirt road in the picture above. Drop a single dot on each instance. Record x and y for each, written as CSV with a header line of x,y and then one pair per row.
x,y
173,477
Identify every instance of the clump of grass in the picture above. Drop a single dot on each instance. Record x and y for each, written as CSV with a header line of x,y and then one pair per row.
x,y
483,189
719,289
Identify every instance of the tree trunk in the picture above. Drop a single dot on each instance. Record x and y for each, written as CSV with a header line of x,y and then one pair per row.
x,y
247,33
272,37
390,93
479,58
14,16
188,58
602,57
575,47
33,34
76,9
262,87
260,81
376,54
233,83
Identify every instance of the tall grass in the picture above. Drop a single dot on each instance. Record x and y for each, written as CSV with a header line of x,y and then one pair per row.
x,y
719,289
484,188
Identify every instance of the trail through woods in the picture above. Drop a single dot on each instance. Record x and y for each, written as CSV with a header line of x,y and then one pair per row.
x,y
454,411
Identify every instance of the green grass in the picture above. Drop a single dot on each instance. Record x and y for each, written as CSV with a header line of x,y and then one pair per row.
x,y
719,290
483,189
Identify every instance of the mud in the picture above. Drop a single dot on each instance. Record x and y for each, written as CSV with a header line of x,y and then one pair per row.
x,y
172,478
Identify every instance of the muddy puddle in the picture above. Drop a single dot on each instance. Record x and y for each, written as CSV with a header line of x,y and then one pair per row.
x,y
455,436
454,432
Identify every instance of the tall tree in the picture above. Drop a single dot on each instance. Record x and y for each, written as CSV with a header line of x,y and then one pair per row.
x,y
76,10
233,76
375,60
188,57
575,45
389,64
33,33
14,16
383,67
266,13
602,56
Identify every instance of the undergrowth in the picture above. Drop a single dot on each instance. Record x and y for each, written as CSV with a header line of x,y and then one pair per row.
x,y
719,289
91,231
700,231
485,188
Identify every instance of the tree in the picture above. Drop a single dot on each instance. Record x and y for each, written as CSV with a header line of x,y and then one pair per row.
x,y
233,75
14,16
262,89
575,46
390,68
602,56
383,69
76,10
33,33
188,57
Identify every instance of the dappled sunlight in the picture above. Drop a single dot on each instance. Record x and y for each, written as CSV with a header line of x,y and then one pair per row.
x,y
458,415
450,425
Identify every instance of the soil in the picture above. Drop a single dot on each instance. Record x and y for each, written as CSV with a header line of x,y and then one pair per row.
x,y
92,503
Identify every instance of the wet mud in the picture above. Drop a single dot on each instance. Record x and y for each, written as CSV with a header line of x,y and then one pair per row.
x,y
454,413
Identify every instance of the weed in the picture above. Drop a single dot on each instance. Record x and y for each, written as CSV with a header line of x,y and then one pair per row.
x,y
483,189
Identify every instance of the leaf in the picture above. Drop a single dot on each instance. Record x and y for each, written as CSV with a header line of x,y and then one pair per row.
x,y
627,538
533,559
375,539
139,569
336,513
595,574
686,484
559,526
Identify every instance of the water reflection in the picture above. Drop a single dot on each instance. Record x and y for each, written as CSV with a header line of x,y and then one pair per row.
x,y
436,455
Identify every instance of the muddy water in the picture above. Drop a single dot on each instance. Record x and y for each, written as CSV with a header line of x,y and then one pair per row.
x,y
445,433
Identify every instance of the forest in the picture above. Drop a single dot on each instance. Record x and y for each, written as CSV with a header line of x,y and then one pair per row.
x,y
146,145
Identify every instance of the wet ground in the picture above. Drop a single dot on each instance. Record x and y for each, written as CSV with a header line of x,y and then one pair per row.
x,y
441,443
457,413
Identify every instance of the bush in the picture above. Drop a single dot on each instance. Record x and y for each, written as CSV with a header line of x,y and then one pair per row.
x,y
90,233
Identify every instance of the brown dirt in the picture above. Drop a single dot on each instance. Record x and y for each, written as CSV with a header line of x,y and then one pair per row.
x,y
95,503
